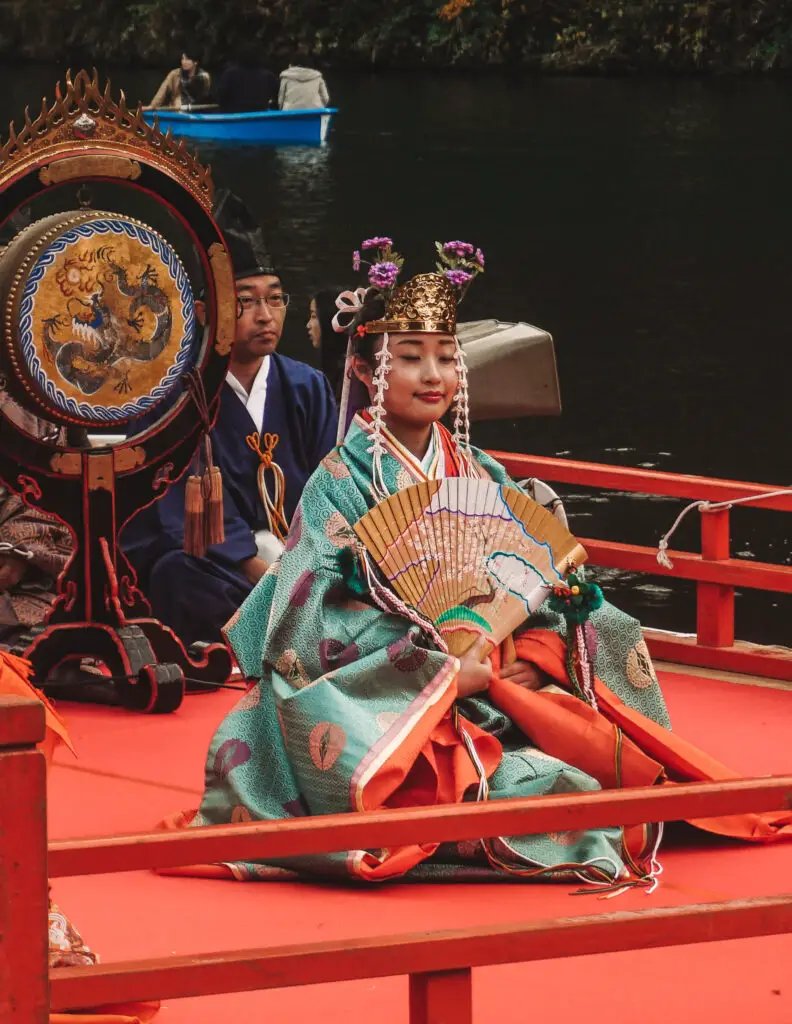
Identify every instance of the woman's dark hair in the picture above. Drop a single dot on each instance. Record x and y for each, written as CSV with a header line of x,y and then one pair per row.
x,y
332,345
192,52
373,308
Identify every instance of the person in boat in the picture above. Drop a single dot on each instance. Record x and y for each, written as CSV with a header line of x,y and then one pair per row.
x,y
245,86
332,344
185,86
277,419
302,87
359,706
34,546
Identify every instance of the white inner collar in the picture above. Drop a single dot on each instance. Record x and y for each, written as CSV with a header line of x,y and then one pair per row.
x,y
254,401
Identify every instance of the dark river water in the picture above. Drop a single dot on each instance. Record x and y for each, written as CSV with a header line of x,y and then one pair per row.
x,y
646,225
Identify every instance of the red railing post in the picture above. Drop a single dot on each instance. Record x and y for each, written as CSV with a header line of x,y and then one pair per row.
x,y
441,997
714,602
24,984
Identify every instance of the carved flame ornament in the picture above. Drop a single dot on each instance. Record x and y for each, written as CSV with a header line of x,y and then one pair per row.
x,y
86,113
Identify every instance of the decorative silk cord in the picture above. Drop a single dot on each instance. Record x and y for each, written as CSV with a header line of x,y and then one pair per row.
x,y
462,411
264,446
6,548
377,447
586,668
708,506
535,869
388,602
195,386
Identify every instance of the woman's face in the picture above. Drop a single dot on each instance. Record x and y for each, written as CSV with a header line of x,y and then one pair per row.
x,y
422,380
188,65
314,329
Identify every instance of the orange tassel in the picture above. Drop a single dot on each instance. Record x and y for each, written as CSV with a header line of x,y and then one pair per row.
x,y
194,518
215,527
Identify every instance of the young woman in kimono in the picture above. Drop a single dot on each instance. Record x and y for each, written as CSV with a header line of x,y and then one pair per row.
x,y
359,706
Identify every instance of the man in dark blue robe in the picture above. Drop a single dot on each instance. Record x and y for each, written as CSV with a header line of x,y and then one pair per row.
x,y
264,393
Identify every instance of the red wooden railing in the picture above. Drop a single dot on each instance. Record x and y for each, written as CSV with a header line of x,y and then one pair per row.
x,y
716,574
438,963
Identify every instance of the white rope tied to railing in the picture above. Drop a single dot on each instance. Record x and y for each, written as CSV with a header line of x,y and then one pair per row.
x,y
709,506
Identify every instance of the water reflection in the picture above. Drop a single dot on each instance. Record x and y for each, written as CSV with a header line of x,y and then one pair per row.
x,y
645,224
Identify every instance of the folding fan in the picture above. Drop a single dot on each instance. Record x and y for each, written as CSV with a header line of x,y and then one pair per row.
x,y
473,556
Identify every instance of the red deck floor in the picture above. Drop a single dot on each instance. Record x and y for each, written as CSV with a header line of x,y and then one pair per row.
x,y
133,770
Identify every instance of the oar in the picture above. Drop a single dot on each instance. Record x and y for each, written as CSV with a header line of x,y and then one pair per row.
x,y
187,108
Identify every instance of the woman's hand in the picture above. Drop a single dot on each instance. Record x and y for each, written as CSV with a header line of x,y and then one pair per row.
x,y
475,674
524,673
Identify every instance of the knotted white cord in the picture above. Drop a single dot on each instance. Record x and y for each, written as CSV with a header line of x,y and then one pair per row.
x,y
709,506
377,447
462,412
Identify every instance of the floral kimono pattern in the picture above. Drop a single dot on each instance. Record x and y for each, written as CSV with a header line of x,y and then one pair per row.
x,y
355,709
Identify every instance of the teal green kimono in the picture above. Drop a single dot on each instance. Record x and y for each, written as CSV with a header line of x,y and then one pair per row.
x,y
351,693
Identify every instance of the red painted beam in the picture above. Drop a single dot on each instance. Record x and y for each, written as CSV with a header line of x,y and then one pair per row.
x,y
442,997
732,572
639,481
715,602
417,953
23,864
749,659
353,831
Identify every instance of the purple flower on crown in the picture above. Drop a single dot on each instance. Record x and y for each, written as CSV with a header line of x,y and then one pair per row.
x,y
378,243
356,260
458,249
459,278
479,257
383,275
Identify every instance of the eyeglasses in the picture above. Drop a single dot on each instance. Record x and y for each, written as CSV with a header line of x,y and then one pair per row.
x,y
245,303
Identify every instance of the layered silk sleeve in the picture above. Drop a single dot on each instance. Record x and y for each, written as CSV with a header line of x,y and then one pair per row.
x,y
357,691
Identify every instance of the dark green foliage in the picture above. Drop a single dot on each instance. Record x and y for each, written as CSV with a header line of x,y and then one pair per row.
x,y
562,35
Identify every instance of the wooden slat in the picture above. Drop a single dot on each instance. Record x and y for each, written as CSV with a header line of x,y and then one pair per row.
x,y
715,602
639,481
733,572
23,864
384,956
326,833
747,659
441,997
22,722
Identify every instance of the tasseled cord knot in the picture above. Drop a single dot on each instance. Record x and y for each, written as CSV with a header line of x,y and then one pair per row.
x,y
203,495
264,445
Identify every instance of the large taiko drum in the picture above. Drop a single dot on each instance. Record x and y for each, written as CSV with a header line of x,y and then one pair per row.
x,y
98,316
100,344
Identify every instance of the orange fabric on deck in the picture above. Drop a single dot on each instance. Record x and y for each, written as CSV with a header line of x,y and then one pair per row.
x,y
617,746
14,681
571,730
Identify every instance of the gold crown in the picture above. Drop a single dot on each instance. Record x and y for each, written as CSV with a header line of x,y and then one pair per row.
x,y
426,303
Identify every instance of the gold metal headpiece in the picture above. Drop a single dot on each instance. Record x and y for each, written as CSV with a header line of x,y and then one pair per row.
x,y
425,303
108,138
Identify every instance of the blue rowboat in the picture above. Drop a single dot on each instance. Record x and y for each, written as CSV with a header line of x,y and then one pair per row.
x,y
265,127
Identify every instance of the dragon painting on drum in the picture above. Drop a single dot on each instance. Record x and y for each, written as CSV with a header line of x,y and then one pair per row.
x,y
106,319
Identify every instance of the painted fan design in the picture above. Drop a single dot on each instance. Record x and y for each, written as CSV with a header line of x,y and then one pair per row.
x,y
472,555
